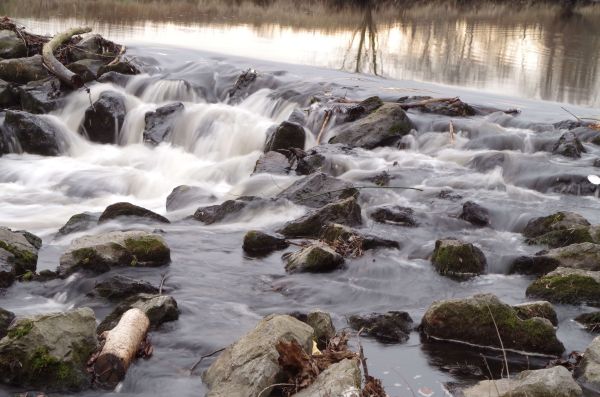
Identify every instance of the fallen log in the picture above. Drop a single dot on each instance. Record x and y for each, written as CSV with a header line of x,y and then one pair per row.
x,y
54,66
120,348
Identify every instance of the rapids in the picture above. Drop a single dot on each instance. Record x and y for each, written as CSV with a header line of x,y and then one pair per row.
x,y
216,142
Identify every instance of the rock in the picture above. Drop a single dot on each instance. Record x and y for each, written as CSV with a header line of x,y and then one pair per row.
x,y
591,321
457,258
390,327
259,243
565,237
314,258
42,96
272,163
6,318
384,127
120,287
569,286
454,108
185,196
115,78
588,371
345,212
103,121
334,234
559,221
585,256
79,223
568,124
11,45
160,123
86,68
488,161
286,136
45,275
596,163
18,253
322,158
94,47
549,382
322,325
475,214
363,108
449,195
402,216
568,145
250,365
317,190
342,379
49,352
159,309
471,320
541,309
228,209
23,70
118,210
8,96
34,133
100,252
123,67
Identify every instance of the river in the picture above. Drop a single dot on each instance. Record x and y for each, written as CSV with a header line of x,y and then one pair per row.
x,y
535,60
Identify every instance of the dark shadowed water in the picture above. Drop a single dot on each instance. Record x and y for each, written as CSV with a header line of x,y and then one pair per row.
x,y
221,292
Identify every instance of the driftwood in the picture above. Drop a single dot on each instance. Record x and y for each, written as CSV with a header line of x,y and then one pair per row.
x,y
120,348
57,68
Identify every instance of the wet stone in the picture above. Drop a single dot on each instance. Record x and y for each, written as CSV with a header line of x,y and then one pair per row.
x,y
390,327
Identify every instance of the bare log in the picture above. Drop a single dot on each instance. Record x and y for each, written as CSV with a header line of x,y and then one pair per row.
x,y
54,66
120,348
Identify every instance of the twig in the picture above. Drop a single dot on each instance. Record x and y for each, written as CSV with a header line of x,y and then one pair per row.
x,y
163,278
500,339
202,358
325,122
491,375
565,109
361,356
274,385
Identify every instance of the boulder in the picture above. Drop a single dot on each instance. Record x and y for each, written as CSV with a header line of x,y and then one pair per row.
x,y
49,352
390,327
159,309
317,190
79,223
115,78
259,243
322,325
453,108
185,196
228,209
588,371
475,214
122,67
86,68
457,258
119,210
363,108
34,133
314,258
568,145
18,252
23,70
160,123
335,234
41,96
569,286
565,237
11,45
345,212
548,382
591,321
342,379
402,216
384,127
94,47
541,309
8,95
272,163
286,136
120,287
250,365
560,221
99,253
103,120
585,256
6,318
479,319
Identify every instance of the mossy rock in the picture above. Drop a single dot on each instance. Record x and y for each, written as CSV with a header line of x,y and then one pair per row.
x,y
79,223
260,243
335,233
566,285
315,258
541,309
479,319
564,237
49,352
346,212
23,247
558,221
457,258
6,318
124,209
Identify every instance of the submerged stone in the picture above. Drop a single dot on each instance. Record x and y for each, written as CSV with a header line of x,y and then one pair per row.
x,y
390,327
229,209
591,321
120,287
119,210
395,214
185,196
568,145
317,190
259,243
475,214
314,258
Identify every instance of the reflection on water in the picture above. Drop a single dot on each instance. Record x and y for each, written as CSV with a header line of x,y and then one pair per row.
x,y
540,52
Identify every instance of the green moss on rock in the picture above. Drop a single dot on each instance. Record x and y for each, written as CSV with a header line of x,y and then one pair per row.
x,y
21,329
23,260
457,258
563,285
148,249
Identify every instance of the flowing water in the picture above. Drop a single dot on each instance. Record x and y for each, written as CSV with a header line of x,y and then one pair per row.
x,y
221,292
